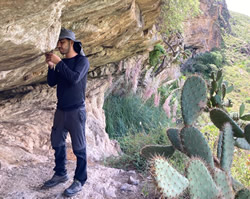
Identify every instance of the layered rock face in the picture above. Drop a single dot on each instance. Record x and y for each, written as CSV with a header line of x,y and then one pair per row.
x,y
109,30
203,33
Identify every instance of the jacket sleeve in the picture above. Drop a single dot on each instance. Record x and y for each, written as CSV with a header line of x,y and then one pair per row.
x,y
73,76
51,77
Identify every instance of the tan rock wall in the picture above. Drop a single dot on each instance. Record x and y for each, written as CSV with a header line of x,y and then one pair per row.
x,y
26,122
203,32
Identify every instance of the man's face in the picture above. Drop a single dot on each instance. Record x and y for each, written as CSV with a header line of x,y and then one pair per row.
x,y
63,46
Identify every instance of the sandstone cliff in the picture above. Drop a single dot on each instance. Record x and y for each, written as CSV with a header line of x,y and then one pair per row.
x,y
204,32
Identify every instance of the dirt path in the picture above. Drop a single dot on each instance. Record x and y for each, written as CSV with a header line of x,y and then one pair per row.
x,y
24,182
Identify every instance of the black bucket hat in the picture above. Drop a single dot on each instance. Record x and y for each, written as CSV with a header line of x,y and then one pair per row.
x,y
68,34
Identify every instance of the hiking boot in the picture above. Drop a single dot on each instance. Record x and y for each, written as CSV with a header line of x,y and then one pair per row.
x,y
73,189
55,180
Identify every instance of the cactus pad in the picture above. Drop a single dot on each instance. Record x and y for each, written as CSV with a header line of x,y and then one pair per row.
x,y
195,144
193,98
174,137
219,118
201,184
219,75
242,143
223,90
245,117
153,150
243,194
242,109
224,184
236,185
247,133
169,181
227,148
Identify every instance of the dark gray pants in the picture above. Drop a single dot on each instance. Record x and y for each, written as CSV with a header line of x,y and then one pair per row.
x,y
74,123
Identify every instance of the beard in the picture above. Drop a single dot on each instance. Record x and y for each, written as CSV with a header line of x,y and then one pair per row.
x,y
65,50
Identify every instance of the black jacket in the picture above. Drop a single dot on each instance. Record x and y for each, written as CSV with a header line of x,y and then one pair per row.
x,y
70,76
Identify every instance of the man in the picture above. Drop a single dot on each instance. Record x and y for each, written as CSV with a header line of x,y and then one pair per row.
x,y
70,76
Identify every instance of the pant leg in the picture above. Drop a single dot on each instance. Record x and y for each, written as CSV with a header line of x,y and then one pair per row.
x,y
60,161
58,137
76,125
81,166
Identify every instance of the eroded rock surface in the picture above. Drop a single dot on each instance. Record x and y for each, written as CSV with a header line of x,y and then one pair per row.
x,y
109,30
26,123
203,33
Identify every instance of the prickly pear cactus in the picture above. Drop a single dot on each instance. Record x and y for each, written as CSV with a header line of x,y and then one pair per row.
x,y
242,143
195,145
245,117
170,182
224,184
219,75
152,150
201,183
174,137
247,133
243,194
219,118
227,148
193,99
218,91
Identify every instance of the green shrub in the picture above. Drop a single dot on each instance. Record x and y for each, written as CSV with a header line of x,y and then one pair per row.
x,y
131,145
154,55
175,12
204,63
131,114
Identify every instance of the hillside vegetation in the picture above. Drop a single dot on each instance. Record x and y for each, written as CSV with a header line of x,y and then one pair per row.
x,y
237,52
237,71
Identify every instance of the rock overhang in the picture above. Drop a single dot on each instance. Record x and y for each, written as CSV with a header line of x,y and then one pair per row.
x,y
109,30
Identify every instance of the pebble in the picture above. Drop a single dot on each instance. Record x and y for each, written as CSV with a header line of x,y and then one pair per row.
x,y
127,187
133,181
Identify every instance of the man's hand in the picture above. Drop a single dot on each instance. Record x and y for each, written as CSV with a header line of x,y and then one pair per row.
x,y
52,59
48,60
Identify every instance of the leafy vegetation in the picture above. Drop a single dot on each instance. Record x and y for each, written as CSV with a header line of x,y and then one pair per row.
x,y
204,63
154,55
237,72
175,12
238,61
